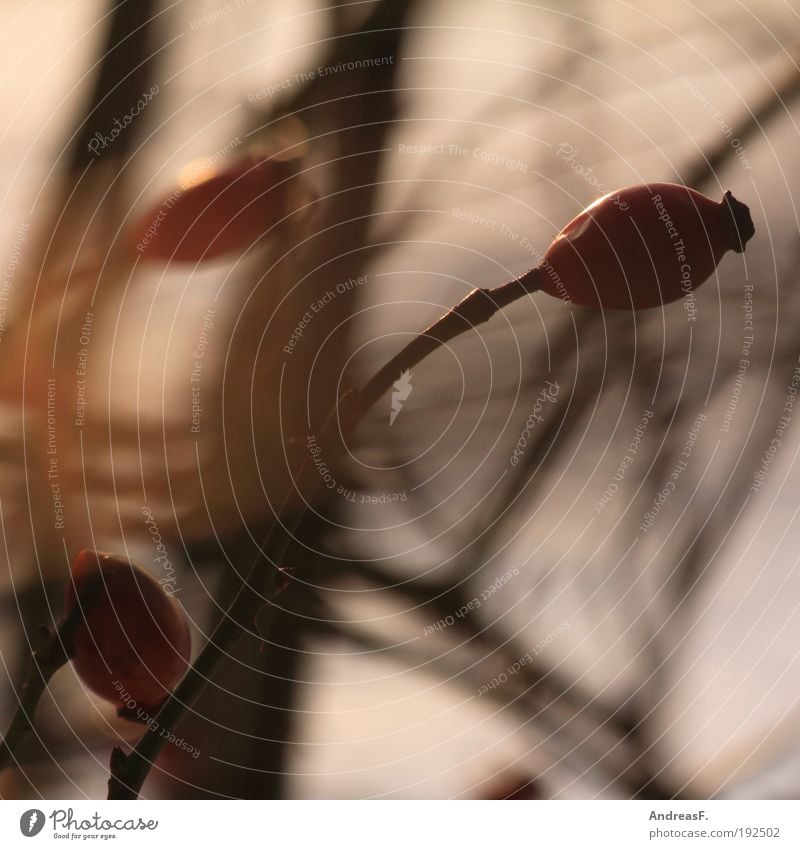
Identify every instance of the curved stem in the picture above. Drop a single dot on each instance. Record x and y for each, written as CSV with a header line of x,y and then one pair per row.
x,y
478,307
261,584
128,772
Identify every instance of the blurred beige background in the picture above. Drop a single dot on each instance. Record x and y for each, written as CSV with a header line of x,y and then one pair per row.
x,y
692,625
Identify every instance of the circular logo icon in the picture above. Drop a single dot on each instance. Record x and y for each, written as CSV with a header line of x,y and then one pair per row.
x,y
31,822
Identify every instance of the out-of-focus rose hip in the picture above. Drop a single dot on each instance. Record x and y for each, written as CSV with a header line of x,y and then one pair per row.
x,y
643,246
133,641
212,212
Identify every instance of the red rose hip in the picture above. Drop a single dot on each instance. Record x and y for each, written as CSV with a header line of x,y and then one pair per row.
x,y
133,642
643,246
214,212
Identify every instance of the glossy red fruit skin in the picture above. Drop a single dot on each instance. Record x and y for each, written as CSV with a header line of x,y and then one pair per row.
x,y
643,246
226,212
133,643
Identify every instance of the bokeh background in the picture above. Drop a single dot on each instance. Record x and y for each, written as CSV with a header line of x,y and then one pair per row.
x,y
445,143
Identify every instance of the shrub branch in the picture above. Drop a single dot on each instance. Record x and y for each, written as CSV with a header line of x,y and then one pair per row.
x,y
263,581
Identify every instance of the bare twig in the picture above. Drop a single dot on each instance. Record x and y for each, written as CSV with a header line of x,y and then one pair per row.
x,y
128,772
617,746
379,27
55,652
478,307
777,97
590,744
124,71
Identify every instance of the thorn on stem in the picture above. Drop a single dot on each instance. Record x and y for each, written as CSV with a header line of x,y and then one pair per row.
x,y
118,760
284,577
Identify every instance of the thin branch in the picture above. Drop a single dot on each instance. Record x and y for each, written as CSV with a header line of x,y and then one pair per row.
x,y
590,746
123,73
777,97
478,307
261,585
379,27
542,684
55,652
128,772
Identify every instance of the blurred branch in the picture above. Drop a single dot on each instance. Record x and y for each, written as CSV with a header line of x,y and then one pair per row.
x,y
122,76
446,598
55,652
262,584
128,772
545,711
521,475
776,98
539,685
478,307
358,134
380,27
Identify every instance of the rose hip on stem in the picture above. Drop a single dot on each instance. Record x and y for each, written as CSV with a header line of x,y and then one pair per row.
x,y
611,269
643,246
132,646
